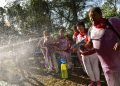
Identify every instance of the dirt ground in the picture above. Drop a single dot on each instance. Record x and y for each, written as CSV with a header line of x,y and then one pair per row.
x,y
31,72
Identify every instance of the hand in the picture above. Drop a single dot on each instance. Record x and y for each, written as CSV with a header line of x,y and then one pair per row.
x,y
89,45
82,47
74,50
117,46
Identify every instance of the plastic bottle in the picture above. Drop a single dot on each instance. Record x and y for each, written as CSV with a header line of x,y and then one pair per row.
x,y
64,72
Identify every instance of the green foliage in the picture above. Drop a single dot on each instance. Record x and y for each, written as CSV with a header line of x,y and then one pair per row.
x,y
2,10
66,12
34,16
109,8
69,33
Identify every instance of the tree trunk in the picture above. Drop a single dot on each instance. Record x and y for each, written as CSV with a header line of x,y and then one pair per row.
x,y
74,10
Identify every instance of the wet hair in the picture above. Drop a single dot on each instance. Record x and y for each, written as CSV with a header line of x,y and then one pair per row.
x,y
96,9
62,30
46,31
74,27
80,23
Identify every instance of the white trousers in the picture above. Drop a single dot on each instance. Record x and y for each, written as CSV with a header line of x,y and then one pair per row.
x,y
80,60
50,60
90,63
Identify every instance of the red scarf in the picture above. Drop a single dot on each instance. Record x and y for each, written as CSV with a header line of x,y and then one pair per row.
x,y
86,39
83,34
101,24
76,33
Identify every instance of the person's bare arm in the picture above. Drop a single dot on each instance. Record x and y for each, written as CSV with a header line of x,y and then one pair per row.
x,y
117,46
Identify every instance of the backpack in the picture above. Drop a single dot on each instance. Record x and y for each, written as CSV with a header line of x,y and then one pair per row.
x,y
114,22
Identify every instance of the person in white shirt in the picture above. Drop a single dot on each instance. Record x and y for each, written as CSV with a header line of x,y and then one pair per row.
x,y
89,57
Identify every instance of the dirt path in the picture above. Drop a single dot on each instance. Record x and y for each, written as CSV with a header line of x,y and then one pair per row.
x,y
31,73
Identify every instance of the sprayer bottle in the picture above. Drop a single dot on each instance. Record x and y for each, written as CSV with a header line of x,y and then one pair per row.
x,y
64,72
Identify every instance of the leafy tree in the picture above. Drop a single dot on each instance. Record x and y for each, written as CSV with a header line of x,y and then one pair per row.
x,y
34,16
110,8
67,12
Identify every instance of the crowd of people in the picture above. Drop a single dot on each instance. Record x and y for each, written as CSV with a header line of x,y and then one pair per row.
x,y
101,42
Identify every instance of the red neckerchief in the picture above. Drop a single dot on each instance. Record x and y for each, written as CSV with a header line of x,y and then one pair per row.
x,y
101,24
76,33
83,34
86,39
